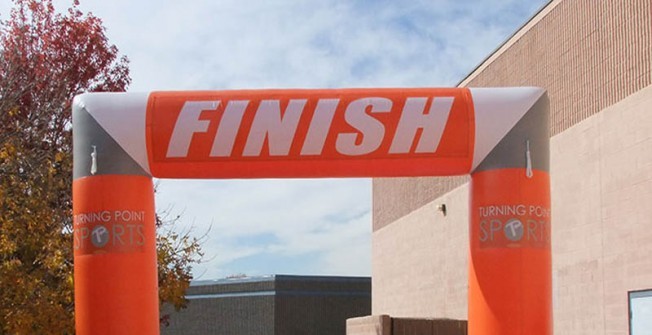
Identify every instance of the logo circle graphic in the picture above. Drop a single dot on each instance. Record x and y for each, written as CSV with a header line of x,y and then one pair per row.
x,y
99,236
514,230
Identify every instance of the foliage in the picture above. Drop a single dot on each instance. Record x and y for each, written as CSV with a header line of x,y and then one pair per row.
x,y
176,252
46,58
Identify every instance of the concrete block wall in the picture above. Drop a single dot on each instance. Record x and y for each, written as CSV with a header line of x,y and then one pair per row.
x,y
595,60
601,180
602,209
587,54
419,263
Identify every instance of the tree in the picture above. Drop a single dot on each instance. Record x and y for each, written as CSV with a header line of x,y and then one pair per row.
x,y
46,58
176,252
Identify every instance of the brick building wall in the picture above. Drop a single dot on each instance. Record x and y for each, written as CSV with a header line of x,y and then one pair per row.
x,y
281,304
595,60
319,306
587,54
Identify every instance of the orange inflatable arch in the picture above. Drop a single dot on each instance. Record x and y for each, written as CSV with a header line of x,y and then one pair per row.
x,y
498,135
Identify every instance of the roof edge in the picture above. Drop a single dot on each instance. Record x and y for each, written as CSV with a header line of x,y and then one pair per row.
x,y
498,51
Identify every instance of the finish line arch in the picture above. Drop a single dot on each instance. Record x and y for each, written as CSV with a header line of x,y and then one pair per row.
x,y
498,135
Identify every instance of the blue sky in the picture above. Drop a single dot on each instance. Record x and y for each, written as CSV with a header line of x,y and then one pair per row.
x,y
322,226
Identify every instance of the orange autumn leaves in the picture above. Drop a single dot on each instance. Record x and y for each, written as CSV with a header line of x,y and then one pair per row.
x,y
46,58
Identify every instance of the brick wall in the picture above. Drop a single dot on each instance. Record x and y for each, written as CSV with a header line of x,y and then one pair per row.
x,y
587,54
601,182
282,304
419,263
595,59
601,203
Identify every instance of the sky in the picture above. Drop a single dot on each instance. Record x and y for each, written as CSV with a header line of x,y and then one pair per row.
x,y
294,226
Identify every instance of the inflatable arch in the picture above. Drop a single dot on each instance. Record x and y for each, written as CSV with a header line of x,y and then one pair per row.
x,y
498,135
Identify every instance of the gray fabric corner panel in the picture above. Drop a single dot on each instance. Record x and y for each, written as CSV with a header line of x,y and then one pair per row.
x,y
511,150
110,159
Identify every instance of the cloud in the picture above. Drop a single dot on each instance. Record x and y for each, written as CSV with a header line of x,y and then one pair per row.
x,y
298,226
280,220
295,226
330,43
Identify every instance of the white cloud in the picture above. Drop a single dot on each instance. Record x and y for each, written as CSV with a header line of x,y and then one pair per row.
x,y
259,44
282,218
231,44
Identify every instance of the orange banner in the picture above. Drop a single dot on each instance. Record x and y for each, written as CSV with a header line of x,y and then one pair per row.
x,y
510,265
310,133
116,287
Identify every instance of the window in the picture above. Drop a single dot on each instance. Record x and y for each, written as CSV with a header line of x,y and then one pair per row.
x,y
640,312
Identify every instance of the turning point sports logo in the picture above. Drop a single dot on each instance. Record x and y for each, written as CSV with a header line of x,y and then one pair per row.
x,y
99,236
514,226
109,231
514,230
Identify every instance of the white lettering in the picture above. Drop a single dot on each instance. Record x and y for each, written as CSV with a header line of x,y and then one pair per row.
x,y
484,234
278,129
431,124
371,130
319,127
118,231
494,210
228,128
494,226
129,216
419,128
539,211
187,124
83,218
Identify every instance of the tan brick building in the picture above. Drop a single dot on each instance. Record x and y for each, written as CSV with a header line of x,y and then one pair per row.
x,y
595,60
